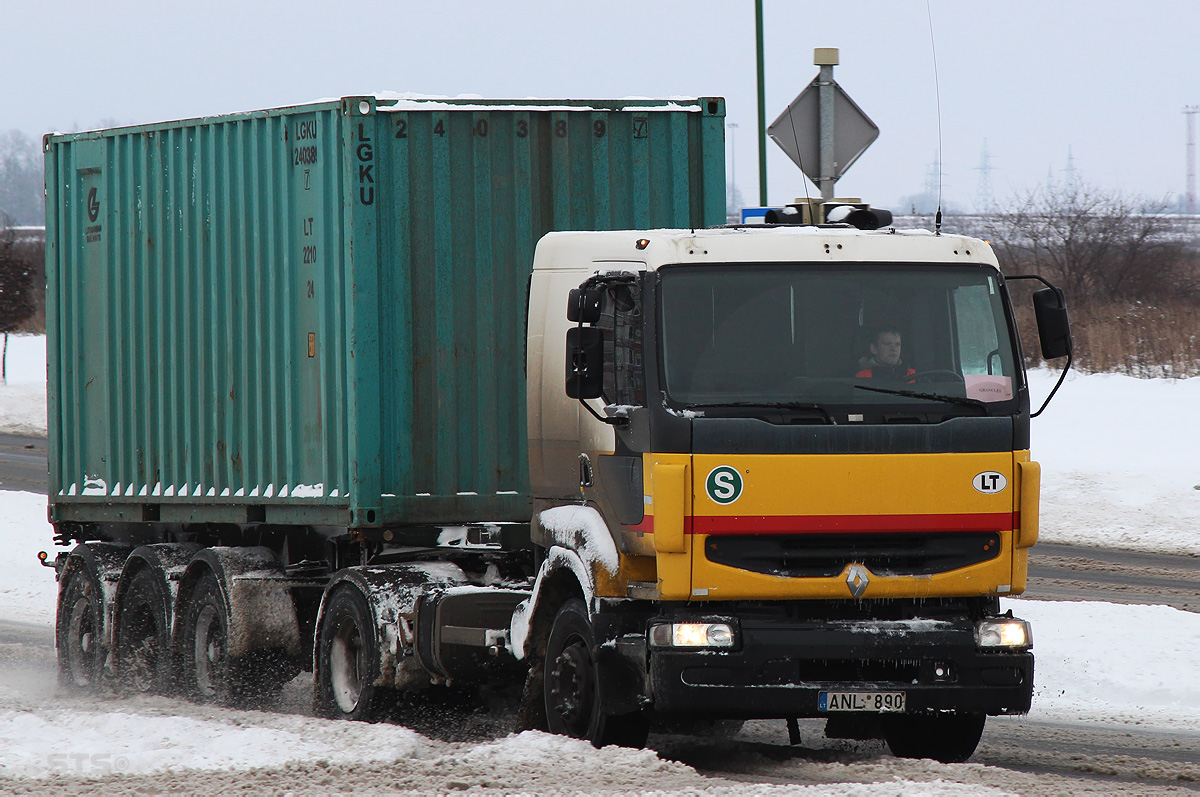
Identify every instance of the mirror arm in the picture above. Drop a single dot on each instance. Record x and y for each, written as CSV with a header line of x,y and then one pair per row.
x,y
602,418
1057,385
1070,350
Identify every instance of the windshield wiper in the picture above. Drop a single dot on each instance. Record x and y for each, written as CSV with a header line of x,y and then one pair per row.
x,y
962,400
774,405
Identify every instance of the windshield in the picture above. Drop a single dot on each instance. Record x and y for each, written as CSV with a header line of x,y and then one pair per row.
x,y
822,334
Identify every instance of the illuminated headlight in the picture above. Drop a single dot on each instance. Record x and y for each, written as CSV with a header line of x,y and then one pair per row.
x,y
1003,632
692,635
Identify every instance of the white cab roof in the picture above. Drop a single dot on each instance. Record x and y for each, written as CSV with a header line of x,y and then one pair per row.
x,y
622,250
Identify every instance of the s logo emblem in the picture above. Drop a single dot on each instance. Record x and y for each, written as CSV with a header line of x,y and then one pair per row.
x,y
723,485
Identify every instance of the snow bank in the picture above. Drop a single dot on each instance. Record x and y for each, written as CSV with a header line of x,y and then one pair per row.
x,y
27,589
23,397
1117,664
1120,461
37,744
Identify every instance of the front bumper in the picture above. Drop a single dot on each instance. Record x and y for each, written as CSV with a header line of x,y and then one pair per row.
x,y
781,666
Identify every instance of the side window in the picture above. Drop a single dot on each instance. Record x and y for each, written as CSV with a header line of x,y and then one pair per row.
x,y
621,320
978,349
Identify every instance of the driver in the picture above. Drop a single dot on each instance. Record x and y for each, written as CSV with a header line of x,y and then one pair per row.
x,y
885,362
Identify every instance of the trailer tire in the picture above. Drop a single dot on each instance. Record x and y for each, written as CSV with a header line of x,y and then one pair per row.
x,y
348,658
571,686
142,646
78,630
950,738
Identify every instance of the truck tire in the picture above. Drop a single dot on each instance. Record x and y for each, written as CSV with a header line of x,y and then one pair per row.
x,y
142,652
348,658
78,630
206,670
950,737
571,686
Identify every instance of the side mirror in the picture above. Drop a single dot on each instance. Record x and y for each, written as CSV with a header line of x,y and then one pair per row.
x,y
1054,326
583,304
585,362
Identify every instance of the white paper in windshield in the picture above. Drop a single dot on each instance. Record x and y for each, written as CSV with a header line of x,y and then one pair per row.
x,y
989,387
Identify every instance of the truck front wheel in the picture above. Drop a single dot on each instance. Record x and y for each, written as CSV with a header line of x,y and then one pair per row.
x,y
349,658
950,738
571,687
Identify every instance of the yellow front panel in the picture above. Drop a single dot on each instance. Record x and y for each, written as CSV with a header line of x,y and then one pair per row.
x,y
851,494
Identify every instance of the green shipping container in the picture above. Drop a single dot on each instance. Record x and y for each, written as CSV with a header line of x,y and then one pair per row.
x,y
316,314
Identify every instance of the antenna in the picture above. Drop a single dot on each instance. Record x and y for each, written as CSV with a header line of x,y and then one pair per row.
x,y
937,90
1191,111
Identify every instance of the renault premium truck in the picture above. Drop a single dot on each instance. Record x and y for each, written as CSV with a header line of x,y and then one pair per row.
x,y
425,393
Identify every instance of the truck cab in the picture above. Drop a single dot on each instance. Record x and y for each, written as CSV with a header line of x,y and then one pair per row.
x,y
803,524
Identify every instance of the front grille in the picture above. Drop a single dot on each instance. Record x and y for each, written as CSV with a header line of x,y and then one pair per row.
x,y
827,555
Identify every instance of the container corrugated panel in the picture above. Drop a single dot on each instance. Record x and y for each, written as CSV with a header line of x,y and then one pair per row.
x,y
316,314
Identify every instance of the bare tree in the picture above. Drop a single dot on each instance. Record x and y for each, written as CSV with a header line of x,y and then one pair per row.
x,y
17,301
1099,246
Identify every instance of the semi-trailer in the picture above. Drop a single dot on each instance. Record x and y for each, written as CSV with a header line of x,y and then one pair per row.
x,y
414,393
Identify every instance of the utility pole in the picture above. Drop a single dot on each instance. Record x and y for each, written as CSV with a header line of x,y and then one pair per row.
x,y
1191,111
731,196
762,107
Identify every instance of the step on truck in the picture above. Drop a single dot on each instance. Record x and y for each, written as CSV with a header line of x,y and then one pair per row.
x,y
337,388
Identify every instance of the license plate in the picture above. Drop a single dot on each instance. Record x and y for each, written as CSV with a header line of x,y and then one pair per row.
x,y
860,701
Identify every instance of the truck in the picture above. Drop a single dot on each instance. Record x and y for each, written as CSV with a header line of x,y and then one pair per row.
x,y
419,394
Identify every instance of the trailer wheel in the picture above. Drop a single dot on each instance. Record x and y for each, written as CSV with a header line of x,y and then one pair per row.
x,y
349,658
949,738
572,689
78,631
142,644
206,665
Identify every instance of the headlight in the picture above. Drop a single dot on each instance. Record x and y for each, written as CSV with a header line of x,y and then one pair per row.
x,y
1003,632
692,635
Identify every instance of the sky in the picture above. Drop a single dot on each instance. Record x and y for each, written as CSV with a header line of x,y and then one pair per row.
x,y
1105,81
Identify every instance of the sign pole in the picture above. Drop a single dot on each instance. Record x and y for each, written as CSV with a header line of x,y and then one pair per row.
x,y
827,59
762,107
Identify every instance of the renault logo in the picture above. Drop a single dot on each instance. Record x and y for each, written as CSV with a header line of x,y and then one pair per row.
x,y
857,580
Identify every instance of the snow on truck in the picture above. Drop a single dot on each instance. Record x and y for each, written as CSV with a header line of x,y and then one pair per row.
x,y
333,388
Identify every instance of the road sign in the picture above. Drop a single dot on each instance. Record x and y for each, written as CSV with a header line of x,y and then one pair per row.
x,y
798,132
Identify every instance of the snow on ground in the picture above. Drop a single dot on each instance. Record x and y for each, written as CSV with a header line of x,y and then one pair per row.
x,y
1120,461
1115,664
27,589
23,396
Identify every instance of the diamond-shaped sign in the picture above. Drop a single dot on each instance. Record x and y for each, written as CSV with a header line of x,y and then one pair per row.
x,y
797,131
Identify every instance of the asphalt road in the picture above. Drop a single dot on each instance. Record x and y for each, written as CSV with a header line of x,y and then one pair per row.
x,y
22,463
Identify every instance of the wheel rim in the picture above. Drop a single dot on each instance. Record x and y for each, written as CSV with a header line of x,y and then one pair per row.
x,y
81,641
572,693
141,649
346,664
209,651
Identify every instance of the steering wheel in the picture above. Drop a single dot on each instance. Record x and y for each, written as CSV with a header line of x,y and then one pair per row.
x,y
933,376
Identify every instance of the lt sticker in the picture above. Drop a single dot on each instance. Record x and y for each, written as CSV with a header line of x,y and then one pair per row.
x,y
723,485
989,482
